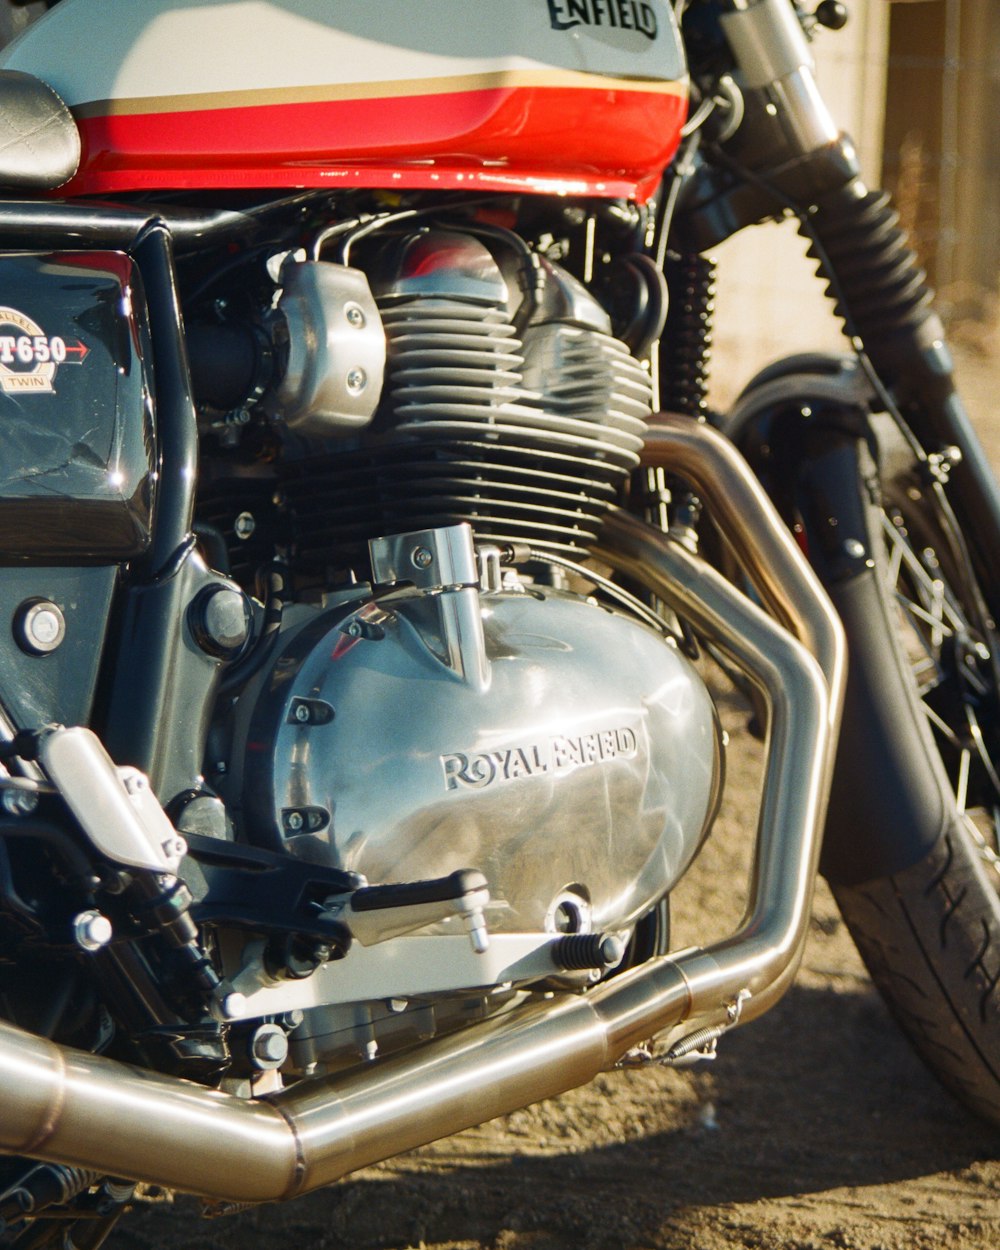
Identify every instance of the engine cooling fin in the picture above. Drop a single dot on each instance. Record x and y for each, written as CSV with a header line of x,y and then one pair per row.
x,y
528,440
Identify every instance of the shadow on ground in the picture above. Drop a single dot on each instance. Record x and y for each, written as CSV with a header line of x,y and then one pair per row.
x,y
820,1095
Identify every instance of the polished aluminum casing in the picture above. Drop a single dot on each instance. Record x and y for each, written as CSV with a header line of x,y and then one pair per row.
x,y
90,1111
583,755
335,350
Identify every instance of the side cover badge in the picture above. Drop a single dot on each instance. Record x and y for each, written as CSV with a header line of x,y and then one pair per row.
x,y
29,357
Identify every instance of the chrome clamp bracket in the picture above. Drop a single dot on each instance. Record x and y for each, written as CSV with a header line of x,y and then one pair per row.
x,y
116,807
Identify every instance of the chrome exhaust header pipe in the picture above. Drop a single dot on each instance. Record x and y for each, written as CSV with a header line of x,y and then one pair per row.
x,y
85,1110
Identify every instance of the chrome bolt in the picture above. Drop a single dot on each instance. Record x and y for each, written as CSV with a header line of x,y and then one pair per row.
x,y
45,627
422,557
302,714
355,317
854,548
269,1047
354,629
294,821
233,1006
19,802
39,627
244,526
357,380
91,930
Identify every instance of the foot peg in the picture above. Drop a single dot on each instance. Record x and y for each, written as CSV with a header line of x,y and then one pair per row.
x,y
377,913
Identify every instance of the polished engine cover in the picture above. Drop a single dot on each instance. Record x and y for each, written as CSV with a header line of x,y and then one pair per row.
x,y
584,756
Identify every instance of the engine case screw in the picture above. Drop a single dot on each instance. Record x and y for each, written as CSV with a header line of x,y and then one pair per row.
x,y
854,548
357,380
92,930
355,316
422,557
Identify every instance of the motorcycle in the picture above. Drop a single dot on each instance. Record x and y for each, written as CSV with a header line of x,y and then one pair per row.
x,y
365,529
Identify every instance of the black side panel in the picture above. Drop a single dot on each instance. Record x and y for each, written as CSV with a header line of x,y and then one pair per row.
x,y
77,454
38,687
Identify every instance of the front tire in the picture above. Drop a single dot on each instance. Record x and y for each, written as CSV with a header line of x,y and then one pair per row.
x,y
930,938
928,932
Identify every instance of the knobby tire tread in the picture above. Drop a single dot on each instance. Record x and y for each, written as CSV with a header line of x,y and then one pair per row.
x,y
930,938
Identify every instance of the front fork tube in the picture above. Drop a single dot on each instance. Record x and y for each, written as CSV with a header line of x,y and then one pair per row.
x,y
889,799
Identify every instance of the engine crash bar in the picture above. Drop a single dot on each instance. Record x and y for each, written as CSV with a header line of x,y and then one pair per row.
x,y
84,1110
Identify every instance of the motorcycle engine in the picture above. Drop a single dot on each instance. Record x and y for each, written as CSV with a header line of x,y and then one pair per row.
x,y
435,712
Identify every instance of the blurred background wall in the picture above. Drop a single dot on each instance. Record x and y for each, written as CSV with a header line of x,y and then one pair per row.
x,y
917,84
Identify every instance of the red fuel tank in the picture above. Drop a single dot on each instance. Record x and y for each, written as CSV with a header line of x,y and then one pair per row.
x,y
579,97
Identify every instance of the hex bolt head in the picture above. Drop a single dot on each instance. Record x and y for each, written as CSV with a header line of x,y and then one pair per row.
x,y
294,821
422,557
302,714
269,1046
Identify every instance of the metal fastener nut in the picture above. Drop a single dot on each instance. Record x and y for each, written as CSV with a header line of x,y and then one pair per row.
x,y
302,714
294,821
92,930
244,525
233,1006
269,1046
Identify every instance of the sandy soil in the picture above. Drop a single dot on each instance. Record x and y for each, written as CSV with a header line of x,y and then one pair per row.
x,y
815,1129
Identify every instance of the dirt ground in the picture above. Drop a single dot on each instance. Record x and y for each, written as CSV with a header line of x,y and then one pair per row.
x,y
815,1129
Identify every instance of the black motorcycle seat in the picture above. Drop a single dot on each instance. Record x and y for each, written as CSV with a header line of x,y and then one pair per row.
x,y
39,140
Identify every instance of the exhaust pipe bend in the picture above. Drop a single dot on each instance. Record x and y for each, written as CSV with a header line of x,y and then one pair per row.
x,y
84,1110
